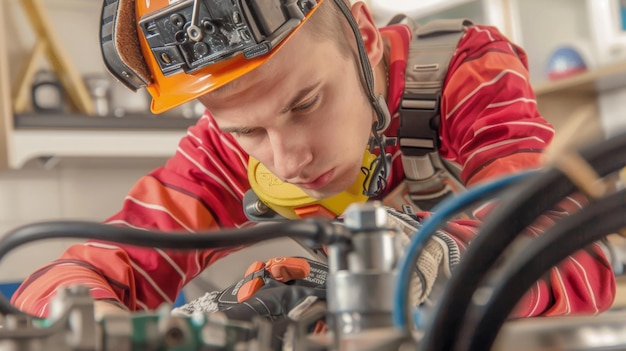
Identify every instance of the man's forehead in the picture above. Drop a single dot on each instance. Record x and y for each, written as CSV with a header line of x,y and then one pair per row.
x,y
265,71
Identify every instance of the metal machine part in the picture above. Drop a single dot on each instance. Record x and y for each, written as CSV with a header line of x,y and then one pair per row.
x,y
359,304
360,289
72,326
573,333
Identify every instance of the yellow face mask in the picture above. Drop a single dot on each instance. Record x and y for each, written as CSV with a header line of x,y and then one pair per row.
x,y
291,202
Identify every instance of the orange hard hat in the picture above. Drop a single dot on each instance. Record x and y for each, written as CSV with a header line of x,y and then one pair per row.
x,y
182,49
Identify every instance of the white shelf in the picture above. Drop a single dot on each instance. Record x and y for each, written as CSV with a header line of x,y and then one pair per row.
x,y
26,145
594,81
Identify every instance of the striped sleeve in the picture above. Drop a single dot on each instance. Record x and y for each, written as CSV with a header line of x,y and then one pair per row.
x,y
583,283
199,189
488,80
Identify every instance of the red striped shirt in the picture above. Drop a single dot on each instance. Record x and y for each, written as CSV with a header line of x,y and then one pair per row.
x,y
490,126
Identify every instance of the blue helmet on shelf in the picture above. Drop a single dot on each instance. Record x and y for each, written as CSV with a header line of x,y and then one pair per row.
x,y
565,61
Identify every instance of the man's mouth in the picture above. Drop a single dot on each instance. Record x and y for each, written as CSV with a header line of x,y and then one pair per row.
x,y
318,182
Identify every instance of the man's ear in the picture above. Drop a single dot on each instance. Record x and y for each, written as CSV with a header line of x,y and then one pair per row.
x,y
371,36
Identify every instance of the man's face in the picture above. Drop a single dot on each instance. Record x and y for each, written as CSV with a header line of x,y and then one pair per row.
x,y
303,115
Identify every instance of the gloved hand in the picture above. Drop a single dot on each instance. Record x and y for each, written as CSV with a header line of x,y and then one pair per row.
x,y
278,301
294,271
275,300
283,269
440,254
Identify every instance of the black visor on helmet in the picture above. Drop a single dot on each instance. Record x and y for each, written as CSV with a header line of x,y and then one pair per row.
x,y
192,34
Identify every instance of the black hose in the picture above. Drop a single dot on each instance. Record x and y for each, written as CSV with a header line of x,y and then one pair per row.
x,y
444,211
519,273
318,231
519,208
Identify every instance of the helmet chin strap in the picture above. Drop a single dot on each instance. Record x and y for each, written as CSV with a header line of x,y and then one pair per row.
x,y
382,112
378,170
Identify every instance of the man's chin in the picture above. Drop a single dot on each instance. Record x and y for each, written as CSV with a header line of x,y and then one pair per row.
x,y
340,184
320,194
326,192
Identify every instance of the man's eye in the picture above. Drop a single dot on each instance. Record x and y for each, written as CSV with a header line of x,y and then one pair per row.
x,y
244,132
307,105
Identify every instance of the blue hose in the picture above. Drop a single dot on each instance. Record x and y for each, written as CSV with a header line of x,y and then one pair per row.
x,y
440,213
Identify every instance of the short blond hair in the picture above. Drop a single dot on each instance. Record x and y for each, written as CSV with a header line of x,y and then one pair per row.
x,y
327,22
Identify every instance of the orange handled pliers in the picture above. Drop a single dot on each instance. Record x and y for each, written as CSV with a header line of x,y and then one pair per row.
x,y
279,268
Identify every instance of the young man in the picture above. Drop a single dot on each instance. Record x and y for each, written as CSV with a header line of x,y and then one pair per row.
x,y
306,114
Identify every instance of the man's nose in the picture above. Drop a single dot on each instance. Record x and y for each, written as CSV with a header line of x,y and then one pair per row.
x,y
291,155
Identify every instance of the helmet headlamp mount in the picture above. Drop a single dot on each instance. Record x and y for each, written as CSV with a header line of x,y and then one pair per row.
x,y
192,34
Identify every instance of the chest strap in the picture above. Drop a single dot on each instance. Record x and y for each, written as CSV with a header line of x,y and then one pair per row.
x,y
430,52
429,179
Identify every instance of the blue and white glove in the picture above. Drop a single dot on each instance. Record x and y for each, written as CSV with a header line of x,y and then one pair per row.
x,y
439,257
